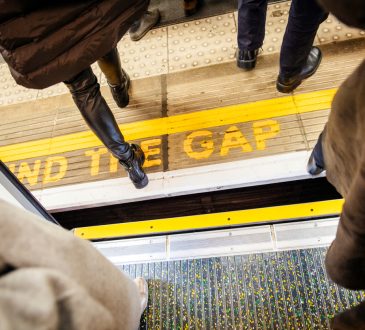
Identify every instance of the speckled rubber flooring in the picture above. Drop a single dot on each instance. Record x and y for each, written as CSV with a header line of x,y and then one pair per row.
x,y
281,290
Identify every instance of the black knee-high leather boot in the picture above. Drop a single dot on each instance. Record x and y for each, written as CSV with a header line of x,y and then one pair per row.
x,y
86,94
118,80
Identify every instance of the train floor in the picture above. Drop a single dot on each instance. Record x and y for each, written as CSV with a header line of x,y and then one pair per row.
x,y
263,277
276,290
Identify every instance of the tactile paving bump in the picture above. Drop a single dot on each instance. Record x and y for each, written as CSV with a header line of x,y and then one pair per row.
x,y
278,290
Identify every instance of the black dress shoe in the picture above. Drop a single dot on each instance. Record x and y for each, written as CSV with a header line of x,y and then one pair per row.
x,y
139,28
134,166
288,84
312,167
246,59
120,92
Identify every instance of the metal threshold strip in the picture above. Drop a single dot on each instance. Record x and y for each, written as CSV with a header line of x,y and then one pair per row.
x,y
218,243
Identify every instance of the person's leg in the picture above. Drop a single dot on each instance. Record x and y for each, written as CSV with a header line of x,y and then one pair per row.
x,y
251,24
251,31
305,16
85,91
118,80
298,57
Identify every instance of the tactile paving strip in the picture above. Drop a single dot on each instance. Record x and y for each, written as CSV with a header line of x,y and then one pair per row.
x,y
281,290
201,42
184,46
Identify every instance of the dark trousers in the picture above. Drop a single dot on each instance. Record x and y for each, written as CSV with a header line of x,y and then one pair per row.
x,y
318,152
304,18
86,94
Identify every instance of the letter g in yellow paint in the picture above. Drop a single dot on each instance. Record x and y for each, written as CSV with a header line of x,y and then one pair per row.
x,y
207,144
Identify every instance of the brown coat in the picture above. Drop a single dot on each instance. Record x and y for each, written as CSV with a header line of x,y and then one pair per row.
x,y
344,156
45,44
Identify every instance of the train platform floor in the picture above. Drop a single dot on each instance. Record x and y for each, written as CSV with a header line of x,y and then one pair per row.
x,y
203,123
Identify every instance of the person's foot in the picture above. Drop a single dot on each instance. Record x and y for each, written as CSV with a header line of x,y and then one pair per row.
x,y
288,84
120,92
191,7
246,59
134,166
142,287
139,28
312,166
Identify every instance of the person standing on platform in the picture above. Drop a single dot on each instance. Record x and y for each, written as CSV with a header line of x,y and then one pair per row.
x,y
340,150
298,58
44,44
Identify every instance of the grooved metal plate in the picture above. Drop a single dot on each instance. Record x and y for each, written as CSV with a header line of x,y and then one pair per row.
x,y
277,290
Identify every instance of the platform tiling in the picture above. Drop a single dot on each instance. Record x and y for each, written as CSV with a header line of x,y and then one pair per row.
x,y
178,70
276,290
185,46
30,133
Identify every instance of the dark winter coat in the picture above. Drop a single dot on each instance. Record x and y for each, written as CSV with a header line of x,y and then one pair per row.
x,y
45,42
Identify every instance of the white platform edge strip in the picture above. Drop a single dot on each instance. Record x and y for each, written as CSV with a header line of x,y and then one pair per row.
x,y
250,172
240,241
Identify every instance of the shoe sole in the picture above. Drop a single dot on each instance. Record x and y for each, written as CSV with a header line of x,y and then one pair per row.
x,y
288,89
143,183
313,168
147,30
247,65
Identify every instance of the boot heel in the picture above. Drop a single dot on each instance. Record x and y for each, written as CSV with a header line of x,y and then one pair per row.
x,y
134,166
190,7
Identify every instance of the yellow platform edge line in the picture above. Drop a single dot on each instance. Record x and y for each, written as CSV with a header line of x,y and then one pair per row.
x,y
277,107
212,221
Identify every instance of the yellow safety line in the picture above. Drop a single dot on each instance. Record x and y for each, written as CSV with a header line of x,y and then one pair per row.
x,y
209,221
241,113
